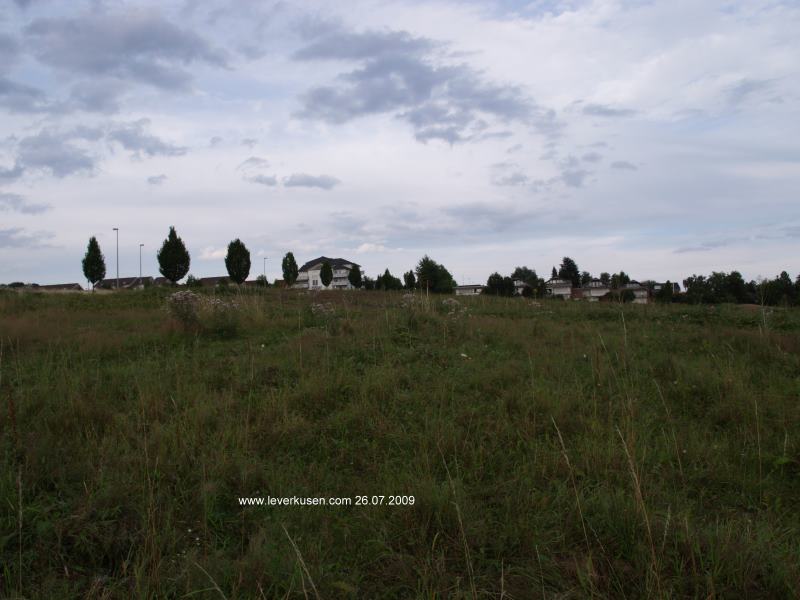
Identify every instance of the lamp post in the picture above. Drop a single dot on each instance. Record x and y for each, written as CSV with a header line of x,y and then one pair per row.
x,y
117,230
265,271
140,263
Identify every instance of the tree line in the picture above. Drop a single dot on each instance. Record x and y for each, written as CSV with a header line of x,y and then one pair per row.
x,y
174,261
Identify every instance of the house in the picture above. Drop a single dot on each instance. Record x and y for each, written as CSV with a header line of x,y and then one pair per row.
x,y
558,288
594,290
308,276
656,287
641,294
214,281
519,287
469,290
125,283
62,287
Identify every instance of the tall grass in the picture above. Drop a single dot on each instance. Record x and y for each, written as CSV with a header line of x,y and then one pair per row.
x,y
563,451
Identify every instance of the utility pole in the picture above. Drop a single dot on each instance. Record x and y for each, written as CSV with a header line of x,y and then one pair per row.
x,y
140,264
117,230
265,271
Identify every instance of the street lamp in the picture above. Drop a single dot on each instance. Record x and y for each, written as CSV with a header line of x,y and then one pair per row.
x,y
117,230
265,270
140,263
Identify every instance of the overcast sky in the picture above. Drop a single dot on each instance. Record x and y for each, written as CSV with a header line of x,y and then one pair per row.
x,y
658,137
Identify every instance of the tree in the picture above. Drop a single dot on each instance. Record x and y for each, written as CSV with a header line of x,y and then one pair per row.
x,y
193,282
261,281
569,271
665,293
497,285
553,273
289,266
173,257
526,275
619,280
237,261
387,281
605,278
94,263
369,283
586,277
354,276
434,277
326,274
410,281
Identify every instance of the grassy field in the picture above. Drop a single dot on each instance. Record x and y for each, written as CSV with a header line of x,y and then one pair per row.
x,y
553,450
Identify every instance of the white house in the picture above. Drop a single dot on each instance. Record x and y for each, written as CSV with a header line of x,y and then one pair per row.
x,y
469,290
559,288
594,290
640,293
308,276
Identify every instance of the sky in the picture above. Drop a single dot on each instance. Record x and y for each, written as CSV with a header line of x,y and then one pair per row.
x,y
661,138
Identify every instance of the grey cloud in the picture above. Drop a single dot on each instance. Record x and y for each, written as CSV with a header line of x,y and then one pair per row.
x,y
708,246
21,98
268,180
16,237
745,89
575,177
511,179
603,110
341,45
17,203
132,137
138,45
9,49
254,162
249,142
325,182
514,148
215,141
55,152
624,165
592,157
397,75
96,96
156,179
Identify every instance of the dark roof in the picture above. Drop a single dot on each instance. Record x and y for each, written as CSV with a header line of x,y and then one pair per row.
x,y
124,282
336,263
214,280
62,286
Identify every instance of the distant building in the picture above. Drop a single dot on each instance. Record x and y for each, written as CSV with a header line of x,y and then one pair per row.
x,y
468,290
214,281
594,290
125,283
676,288
62,287
308,277
519,287
641,294
558,288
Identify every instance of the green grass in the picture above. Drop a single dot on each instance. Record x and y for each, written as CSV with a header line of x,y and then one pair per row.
x,y
564,450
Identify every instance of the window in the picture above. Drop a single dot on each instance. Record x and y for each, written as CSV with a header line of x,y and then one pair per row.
x,y
314,282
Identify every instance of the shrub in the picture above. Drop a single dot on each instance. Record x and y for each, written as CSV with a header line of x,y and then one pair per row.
x,y
184,307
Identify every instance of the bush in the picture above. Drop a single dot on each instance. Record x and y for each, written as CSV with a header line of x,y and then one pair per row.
x,y
185,308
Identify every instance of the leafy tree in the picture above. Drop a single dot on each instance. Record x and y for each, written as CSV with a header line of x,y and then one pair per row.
x,y
326,274
289,266
665,293
173,257
525,274
605,278
354,277
237,261
261,281
410,281
553,273
569,271
619,280
94,263
497,285
193,282
369,283
586,277
387,281
434,277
